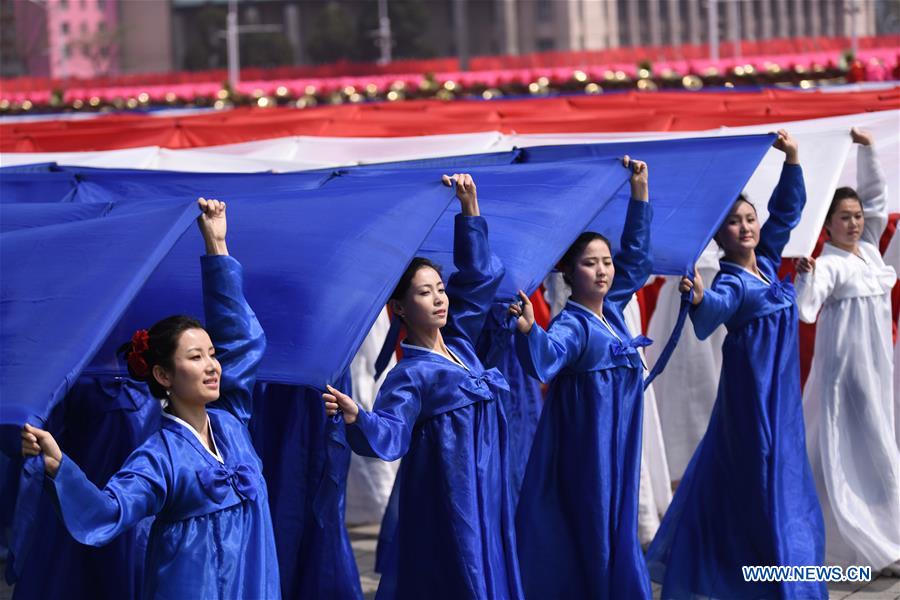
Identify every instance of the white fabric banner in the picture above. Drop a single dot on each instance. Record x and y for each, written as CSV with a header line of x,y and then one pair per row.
x,y
346,151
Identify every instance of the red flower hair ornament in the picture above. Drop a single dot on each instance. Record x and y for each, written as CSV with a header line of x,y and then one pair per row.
x,y
140,343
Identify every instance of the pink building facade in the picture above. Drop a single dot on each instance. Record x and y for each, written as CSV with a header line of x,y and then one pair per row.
x,y
68,38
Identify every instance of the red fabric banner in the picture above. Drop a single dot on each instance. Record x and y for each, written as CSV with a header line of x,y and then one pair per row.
x,y
631,111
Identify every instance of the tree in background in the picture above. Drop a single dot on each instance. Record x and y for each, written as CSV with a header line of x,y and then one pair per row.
x,y
265,50
334,35
205,48
409,19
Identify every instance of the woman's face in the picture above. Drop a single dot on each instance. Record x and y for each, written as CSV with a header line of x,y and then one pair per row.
x,y
740,231
424,306
846,223
593,272
196,372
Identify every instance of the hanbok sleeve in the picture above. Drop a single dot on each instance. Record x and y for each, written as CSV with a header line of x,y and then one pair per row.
x,y
871,187
472,287
93,516
813,289
719,304
543,354
785,208
633,263
232,325
385,432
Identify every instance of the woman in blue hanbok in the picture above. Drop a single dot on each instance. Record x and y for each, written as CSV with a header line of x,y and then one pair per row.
x,y
576,521
199,475
522,403
439,410
120,412
747,497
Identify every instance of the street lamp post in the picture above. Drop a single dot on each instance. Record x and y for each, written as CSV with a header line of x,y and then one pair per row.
x,y
852,8
231,39
384,33
462,33
232,33
734,22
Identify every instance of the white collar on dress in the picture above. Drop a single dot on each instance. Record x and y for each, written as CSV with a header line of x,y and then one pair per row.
x,y
602,319
759,275
608,326
458,362
215,451
584,308
829,248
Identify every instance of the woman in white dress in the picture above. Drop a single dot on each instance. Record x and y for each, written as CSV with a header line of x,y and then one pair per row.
x,y
892,258
848,400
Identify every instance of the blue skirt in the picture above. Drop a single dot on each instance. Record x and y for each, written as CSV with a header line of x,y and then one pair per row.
x,y
747,497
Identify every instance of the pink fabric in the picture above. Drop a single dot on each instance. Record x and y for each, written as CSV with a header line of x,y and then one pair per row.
x,y
488,70
879,63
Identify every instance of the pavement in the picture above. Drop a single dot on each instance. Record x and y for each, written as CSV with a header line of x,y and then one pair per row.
x,y
365,537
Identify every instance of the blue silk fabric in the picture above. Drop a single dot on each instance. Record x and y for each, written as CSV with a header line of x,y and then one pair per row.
x,y
122,414
576,522
305,463
45,288
279,219
141,271
523,402
274,211
212,534
747,496
535,211
314,553
36,186
454,533
693,182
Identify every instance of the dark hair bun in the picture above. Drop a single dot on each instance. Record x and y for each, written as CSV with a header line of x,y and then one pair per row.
x,y
155,346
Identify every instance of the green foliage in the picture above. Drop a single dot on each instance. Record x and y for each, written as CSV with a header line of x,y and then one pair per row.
x,y
205,48
265,50
847,58
334,35
409,20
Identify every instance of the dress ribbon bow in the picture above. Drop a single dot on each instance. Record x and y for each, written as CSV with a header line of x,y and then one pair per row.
x,y
495,379
217,480
782,290
482,384
639,341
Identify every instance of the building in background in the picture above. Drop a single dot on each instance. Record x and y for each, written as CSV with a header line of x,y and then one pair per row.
x,y
547,25
61,38
145,36
525,26
85,38
597,24
23,39
271,32
308,31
